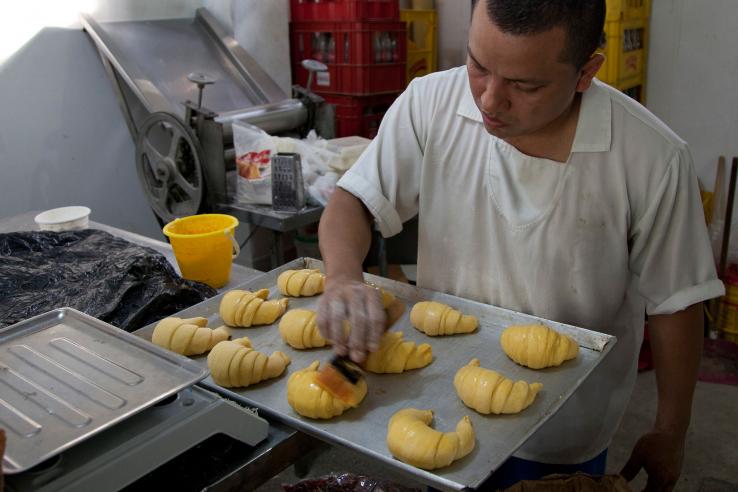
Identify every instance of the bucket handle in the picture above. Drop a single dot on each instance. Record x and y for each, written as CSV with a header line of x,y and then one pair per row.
x,y
236,247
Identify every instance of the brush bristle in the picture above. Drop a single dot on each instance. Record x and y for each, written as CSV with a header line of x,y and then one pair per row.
x,y
332,379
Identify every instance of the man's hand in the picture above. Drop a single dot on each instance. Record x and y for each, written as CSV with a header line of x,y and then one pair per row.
x,y
361,305
660,453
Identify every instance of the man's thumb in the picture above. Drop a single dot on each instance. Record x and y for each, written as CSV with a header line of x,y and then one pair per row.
x,y
632,467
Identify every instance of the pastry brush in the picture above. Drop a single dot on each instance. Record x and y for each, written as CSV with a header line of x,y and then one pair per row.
x,y
340,376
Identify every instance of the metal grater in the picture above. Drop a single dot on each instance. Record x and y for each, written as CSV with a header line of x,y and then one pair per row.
x,y
288,191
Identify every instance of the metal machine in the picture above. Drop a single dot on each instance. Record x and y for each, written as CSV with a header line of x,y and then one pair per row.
x,y
181,83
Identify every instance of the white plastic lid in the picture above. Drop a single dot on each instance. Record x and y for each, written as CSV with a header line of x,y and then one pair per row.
x,y
62,214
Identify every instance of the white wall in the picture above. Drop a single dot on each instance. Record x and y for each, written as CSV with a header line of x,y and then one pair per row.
x,y
454,17
693,76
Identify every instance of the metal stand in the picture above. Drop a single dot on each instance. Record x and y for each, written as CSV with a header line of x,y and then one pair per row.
x,y
136,446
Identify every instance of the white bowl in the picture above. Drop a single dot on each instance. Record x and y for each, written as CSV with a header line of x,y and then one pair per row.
x,y
64,219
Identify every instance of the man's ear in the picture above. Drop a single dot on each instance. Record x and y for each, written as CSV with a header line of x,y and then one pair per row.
x,y
588,71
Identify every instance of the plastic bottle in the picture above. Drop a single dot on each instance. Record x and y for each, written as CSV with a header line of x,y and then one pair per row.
x,y
377,47
331,48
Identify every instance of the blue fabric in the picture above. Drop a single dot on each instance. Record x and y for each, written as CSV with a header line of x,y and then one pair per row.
x,y
516,469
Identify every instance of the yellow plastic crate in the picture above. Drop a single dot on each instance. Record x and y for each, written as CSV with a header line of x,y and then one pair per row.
x,y
419,63
628,9
625,46
422,42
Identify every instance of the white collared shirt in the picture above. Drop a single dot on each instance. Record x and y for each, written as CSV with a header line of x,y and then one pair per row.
x,y
615,232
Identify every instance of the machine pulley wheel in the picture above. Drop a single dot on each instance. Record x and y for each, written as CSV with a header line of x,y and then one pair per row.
x,y
169,162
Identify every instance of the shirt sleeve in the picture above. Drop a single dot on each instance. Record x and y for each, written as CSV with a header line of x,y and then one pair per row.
x,y
386,178
670,253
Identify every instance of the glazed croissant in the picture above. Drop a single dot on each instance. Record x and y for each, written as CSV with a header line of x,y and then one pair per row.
x,y
410,439
398,355
308,399
388,298
537,346
187,336
235,363
487,391
434,318
299,329
243,308
298,283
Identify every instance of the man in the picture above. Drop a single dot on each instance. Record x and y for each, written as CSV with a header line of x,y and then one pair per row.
x,y
544,191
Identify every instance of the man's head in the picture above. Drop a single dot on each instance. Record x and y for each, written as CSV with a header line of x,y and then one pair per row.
x,y
528,58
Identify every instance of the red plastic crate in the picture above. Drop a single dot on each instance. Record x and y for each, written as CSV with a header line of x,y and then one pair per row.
x,y
360,115
355,43
356,80
344,10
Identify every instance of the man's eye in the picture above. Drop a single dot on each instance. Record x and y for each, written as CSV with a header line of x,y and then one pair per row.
x,y
527,89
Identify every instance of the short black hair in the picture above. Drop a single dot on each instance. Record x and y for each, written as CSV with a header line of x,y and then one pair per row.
x,y
582,20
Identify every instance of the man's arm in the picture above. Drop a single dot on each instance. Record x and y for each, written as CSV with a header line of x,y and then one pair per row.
x,y
345,237
676,344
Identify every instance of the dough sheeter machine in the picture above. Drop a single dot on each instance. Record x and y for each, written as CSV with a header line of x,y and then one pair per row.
x,y
181,84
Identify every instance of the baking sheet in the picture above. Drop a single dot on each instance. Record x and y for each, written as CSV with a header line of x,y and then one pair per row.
x,y
364,428
65,376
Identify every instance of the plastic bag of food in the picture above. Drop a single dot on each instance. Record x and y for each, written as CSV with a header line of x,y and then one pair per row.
x,y
254,150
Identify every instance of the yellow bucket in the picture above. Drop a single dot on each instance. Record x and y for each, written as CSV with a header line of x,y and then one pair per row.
x,y
204,246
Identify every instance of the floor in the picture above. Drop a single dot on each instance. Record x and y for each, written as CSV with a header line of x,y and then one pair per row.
x,y
711,461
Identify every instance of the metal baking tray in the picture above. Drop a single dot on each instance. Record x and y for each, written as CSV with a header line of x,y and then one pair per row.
x,y
364,428
65,376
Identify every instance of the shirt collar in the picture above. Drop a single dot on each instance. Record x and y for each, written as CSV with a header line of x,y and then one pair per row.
x,y
594,128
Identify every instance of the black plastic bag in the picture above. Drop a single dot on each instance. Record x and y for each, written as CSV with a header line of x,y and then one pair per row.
x,y
107,277
346,482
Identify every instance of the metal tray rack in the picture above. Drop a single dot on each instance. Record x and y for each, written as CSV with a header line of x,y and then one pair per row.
x,y
66,376
364,428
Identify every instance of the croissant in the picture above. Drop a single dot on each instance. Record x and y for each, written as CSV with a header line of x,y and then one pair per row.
x,y
397,355
434,318
235,363
537,346
299,329
298,283
187,336
487,391
243,308
410,439
308,399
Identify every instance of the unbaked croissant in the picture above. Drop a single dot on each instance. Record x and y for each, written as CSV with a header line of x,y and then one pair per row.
x,y
188,336
235,363
299,329
397,355
243,308
298,283
487,391
410,439
434,318
537,346
387,297
309,399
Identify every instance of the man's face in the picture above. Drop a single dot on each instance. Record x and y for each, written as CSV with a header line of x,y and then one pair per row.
x,y
519,82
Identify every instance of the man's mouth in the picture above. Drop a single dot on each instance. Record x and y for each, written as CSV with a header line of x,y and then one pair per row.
x,y
492,121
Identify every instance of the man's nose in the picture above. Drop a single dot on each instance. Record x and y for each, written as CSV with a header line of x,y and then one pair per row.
x,y
495,99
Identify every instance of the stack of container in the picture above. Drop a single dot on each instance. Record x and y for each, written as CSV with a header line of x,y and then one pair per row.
x,y
625,45
364,45
422,48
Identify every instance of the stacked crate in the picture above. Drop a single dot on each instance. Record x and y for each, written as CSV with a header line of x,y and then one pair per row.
x,y
625,45
364,45
422,42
